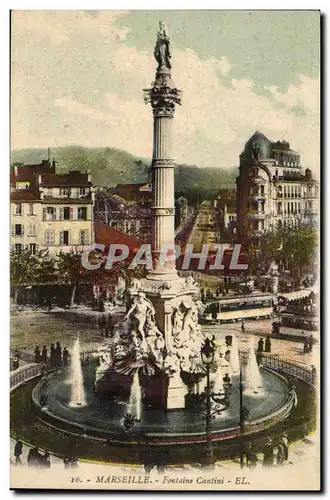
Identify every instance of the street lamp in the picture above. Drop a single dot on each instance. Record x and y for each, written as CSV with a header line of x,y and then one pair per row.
x,y
209,404
243,416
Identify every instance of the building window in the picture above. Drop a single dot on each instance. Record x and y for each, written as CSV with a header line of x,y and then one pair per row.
x,y
66,213
19,230
31,209
33,248
262,189
82,213
84,237
65,191
276,173
82,191
49,213
32,230
18,248
18,208
64,237
49,237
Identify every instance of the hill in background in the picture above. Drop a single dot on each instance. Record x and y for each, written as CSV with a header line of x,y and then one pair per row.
x,y
110,166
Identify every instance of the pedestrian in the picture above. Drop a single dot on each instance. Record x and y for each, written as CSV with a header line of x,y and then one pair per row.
x,y
102,324
268,346
109,326
268,453
58,354
18,452
305,350
44,354
34,457
314,373
310,343
285,444
66,461
15,363
228,339
260,345
37,355
251,456
65,356
243,326
45,460
73,462
214,311
52,356
280,455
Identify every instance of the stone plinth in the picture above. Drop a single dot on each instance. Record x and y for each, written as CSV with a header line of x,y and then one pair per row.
x,y
176,393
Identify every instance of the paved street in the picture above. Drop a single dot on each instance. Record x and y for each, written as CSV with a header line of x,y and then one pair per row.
x,y
30,328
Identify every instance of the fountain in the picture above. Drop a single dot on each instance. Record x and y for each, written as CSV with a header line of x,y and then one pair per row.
x,y
234,358
77,384
135,398
253,382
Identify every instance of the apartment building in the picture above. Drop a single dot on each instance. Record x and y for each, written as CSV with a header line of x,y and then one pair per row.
x,y
50,210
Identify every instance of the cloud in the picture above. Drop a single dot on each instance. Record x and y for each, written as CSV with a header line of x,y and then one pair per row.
x,y
218,114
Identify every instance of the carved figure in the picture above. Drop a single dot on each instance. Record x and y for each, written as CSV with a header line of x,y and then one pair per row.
x,y
138,313
162,50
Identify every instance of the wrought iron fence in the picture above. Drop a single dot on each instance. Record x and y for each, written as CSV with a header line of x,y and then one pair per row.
x,y
32,370
274,362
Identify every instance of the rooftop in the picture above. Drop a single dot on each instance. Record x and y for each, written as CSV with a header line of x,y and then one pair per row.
x,y
72,179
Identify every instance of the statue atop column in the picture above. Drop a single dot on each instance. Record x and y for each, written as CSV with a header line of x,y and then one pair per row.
x,y
162,50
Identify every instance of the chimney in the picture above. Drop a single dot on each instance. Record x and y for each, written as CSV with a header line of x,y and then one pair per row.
x,y
49,155
16,170
54,163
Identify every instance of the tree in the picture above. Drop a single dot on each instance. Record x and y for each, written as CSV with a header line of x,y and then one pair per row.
x,y
45,270
27,268
70,270
293,248
123,270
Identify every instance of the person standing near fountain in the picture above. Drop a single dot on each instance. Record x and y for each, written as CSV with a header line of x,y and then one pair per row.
x,y
268,347
268,452
261,345
44,354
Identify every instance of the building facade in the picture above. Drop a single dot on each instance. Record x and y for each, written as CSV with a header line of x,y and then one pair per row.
x,y
49,210
127,208
272,188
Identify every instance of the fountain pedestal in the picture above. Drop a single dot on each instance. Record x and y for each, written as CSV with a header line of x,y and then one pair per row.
x,y
176,392
176,315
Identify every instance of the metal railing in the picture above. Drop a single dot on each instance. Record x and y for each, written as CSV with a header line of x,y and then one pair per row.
x,y
274,362
32,370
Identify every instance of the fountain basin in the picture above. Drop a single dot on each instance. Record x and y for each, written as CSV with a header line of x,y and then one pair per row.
x,y
104,418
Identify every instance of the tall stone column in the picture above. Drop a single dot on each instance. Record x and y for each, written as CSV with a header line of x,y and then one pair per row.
x,y
163,97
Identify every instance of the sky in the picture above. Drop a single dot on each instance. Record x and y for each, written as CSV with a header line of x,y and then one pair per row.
x,y
77,78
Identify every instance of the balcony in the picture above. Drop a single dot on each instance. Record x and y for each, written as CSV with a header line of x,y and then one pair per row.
x,y
256,215
67,198
257,197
